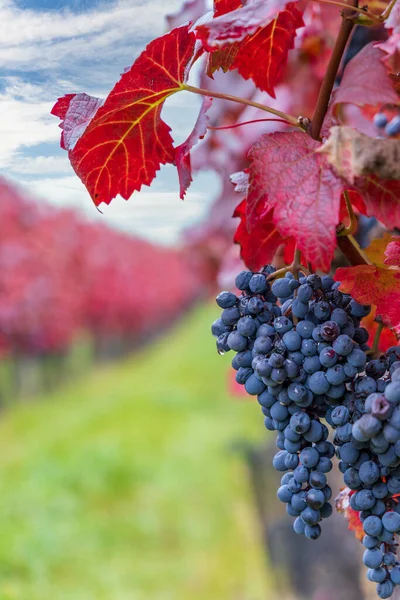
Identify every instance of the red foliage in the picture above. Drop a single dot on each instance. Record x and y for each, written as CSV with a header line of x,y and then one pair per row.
x,y
294,194
126,141
258,247
60,275
369,284
238,24
358,87
263,55
288,176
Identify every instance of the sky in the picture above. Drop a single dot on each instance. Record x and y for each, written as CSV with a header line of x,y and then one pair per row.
x,y
49,48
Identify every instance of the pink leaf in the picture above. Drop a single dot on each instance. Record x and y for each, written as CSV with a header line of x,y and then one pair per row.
x,y
393,22
182,152
359,87
392,253
76,110
240,23
287,175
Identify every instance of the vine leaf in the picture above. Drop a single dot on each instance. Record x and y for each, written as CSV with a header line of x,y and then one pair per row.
x,y
381,198
357,85
126,141
290,178
182,152
257,248
236,25
369,284
354,154
262,55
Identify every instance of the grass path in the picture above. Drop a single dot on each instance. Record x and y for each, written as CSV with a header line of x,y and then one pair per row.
x,y
123,486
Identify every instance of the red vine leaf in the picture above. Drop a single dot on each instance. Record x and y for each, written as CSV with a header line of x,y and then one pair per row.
x,y
358,87
221,7
290,178
262,55
238,24
182,152
126,142
369,284
392,252
257,248
381,198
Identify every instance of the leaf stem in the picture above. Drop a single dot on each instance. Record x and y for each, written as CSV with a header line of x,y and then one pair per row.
x,y
350,229
287,118
330,75
386,13
245,123
363,11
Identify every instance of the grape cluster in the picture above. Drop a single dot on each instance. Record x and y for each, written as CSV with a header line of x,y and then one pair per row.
x,y
299,359
370,462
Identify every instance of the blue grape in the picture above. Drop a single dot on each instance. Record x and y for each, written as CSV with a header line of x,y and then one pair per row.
x,y
299,309
318,383
343,345
309,347
281,288
226,299
254,386
292,340
312,532
385,589
328,357
391,521
258,283
393,127
380,120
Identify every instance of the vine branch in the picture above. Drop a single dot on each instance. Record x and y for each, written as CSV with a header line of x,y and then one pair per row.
x,y
331,72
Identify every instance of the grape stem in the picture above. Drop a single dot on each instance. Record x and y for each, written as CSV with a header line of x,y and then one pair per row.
x,y
287,118
375,344
294,268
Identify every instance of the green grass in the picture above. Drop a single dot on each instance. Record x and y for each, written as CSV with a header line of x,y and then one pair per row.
x,y
124,486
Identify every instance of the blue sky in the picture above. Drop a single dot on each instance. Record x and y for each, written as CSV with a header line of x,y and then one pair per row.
x,y
52,47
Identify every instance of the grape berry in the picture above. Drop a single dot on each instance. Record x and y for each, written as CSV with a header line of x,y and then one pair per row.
x,y
301,349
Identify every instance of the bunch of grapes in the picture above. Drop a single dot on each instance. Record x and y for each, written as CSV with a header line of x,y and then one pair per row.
x,y
301,350
370,462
